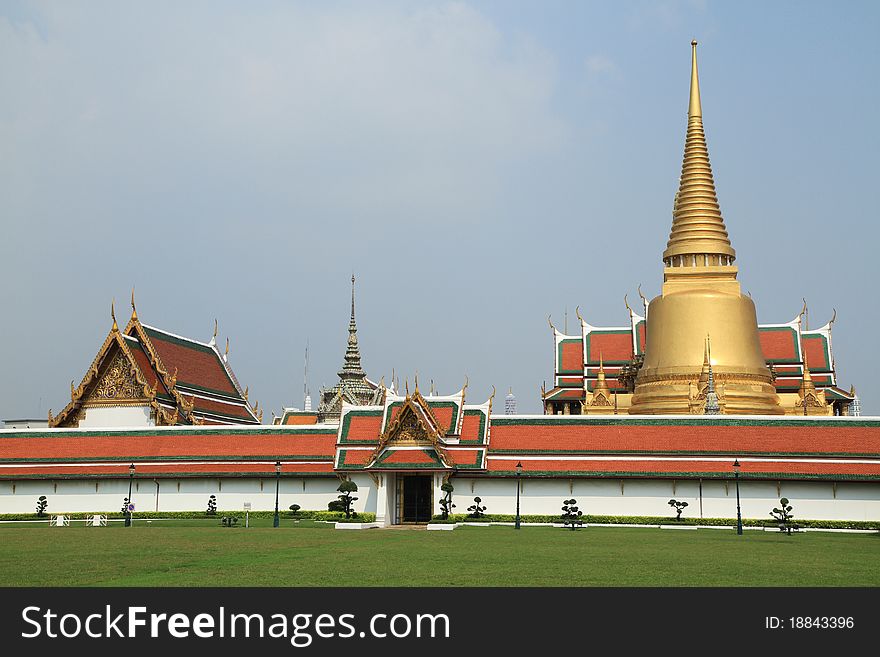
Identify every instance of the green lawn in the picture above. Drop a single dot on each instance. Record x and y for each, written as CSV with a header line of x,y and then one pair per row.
x,y
201,553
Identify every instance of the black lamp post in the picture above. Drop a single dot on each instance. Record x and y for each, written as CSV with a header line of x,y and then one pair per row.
x,y
518,475
276,522
131,469
739,522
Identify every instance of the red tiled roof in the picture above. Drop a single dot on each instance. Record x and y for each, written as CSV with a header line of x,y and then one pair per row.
x,y
610,346
643,337
218,407
817,357
362,427
301,418
470,426
680,437
397,456
196,364
159,444
778,344
572,356
171,468
143,363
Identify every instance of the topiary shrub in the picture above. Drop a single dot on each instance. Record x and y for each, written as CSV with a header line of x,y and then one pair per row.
x,y
476,511
446,505
124,505
678,506
571,514
229,521
212,506
345,500
294,510
783,515
42,503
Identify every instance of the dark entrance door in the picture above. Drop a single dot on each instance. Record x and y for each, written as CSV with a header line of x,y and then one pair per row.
x,y
416,498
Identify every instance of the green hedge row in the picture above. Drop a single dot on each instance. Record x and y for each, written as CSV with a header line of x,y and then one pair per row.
x,y
661,520
329,516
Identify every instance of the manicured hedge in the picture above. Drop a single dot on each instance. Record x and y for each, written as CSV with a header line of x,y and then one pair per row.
x,y
328,516
661,520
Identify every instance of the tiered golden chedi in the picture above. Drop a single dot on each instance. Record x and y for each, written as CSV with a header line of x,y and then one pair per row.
x,y
701,298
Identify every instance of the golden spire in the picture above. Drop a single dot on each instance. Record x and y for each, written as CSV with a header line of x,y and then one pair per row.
x,y
113,314
704,373
698,236
601,391
134,312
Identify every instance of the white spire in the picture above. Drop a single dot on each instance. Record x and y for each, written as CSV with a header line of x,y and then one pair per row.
x,y
510,403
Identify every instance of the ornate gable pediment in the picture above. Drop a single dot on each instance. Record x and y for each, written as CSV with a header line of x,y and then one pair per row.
x,y
118,384
414,425
409,429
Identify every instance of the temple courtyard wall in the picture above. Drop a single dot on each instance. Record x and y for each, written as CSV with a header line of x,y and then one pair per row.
x,y
819,500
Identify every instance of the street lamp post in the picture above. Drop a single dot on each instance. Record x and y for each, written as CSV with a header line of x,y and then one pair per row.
x,y
518,475
739,522
131,469
276,522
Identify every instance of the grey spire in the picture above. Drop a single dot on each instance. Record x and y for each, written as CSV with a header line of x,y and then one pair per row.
x,y
712,407
352,369
353,386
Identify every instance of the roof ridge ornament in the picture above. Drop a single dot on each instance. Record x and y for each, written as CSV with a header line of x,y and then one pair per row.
x,y
134,314
113,315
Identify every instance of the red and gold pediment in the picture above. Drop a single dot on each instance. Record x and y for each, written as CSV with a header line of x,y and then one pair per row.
x,y
414,425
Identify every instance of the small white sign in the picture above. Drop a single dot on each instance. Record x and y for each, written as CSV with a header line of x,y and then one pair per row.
x,y
247,506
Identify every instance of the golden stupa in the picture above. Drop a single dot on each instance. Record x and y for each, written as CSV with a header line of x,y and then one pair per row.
x,y
701,298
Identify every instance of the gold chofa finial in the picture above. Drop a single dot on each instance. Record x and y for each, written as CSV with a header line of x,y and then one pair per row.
x,y
113,314
134,312
216,328
694,108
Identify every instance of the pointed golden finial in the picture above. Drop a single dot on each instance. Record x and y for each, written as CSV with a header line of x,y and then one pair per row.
x,y
465,383
417,382
492,396
577,311
216,331
626,303
406,384
642,296
694,108
246,390
699,237
113,314
226,354
833,317
550,322
134,312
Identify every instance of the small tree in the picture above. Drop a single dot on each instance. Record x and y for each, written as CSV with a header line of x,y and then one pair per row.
x,y
294,510
124,505
229,521
42,503
571,514
678,506
446,505
212,506
345,500
476,511
783,515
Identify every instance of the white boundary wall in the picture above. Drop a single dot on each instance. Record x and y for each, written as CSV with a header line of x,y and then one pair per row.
x,y
634,497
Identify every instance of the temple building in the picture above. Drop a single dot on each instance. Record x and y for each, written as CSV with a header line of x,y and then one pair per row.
x,y
144,376
660,362
689,399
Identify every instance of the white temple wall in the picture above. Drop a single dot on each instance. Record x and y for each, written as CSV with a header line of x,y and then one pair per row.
x,y
116,416
813,500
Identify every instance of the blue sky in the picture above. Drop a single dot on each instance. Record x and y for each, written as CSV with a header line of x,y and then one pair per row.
x,y
477,165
